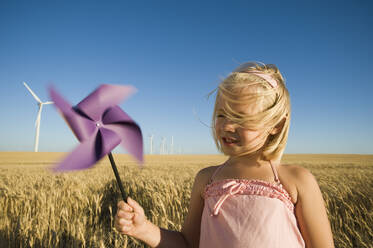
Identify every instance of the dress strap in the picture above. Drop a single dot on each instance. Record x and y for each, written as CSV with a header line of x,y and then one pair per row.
x,y
215,172
274,172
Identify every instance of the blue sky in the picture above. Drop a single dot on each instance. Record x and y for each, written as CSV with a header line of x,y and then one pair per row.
x,y
174,53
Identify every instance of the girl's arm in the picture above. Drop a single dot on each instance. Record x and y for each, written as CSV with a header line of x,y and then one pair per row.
x,y
311,213
131,220
192,223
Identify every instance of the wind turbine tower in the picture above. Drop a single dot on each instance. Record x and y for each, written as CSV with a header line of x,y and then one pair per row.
x,y
162,150
37,122
151,143
172,145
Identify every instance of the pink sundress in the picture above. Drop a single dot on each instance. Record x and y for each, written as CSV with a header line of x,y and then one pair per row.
x,y
240,213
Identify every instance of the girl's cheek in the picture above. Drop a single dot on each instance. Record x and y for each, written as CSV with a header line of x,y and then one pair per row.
x,y
218,130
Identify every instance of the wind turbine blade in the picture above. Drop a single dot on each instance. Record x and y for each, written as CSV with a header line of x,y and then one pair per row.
x,y
39,115
48,102
32,93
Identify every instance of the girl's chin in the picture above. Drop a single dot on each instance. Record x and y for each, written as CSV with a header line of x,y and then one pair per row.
x,y
236,151
230,150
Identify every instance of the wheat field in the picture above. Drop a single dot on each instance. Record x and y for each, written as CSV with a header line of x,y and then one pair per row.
x,y
76,209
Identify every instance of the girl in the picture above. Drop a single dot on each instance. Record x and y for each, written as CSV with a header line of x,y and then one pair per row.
x,y
251,200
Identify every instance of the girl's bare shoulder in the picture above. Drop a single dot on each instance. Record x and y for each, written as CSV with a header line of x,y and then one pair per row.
x,y
293,169
206,173
291,177
203,177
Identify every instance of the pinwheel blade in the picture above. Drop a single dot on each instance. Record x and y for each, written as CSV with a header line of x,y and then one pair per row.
x,y
121,123
104,97
81,126
90,151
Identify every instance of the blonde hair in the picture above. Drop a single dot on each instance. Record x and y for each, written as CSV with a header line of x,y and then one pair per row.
x,y
272,105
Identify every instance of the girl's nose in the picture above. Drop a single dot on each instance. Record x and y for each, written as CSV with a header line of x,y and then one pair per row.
x,y
229,126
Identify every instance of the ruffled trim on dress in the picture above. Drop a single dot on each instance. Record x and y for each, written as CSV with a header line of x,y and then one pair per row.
x,y
252,187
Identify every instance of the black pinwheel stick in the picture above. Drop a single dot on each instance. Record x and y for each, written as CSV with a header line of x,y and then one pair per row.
x,y
117,176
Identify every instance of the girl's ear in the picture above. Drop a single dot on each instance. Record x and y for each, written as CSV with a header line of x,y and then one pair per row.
x,y
278,127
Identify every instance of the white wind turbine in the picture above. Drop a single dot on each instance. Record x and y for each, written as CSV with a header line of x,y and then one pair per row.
x,y
151,143
37,122
162,148
172,145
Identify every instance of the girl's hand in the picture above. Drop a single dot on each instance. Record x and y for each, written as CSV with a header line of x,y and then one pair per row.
x,y
130,218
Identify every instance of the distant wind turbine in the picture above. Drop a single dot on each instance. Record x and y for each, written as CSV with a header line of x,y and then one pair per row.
x,y
151,143
172,145
37,122
163,150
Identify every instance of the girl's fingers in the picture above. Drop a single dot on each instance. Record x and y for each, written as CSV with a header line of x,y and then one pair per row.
x,y
123,226
125,229
125,222
130,216
124,206
135,206
125,215
120,204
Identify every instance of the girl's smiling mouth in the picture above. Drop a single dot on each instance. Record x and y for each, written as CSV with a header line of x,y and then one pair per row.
x,y
229,141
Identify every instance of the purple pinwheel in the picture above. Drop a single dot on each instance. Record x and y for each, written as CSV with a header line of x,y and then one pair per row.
x,y
100,125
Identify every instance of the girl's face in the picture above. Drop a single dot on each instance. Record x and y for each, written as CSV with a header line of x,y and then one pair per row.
x,y
235,139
